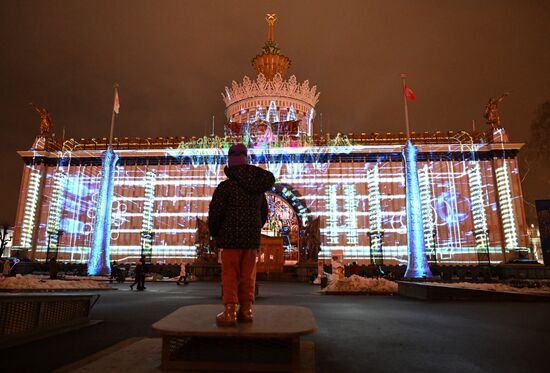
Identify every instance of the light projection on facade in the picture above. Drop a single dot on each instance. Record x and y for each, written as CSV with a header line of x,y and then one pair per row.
x,y
156,201
507,211
479,216
375,232
147,227
427,210
31,203
53,227
452,200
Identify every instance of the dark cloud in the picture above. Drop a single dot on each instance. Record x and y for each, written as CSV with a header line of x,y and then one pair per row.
x,y
173,58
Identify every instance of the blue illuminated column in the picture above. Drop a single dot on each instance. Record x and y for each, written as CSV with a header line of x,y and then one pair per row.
x,y
417,265
98,262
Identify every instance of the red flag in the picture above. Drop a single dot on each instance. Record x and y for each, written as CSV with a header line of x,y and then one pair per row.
x,y
409,94
116,105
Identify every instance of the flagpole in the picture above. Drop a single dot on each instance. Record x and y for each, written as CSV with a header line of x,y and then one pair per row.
x,y
115,86
403,77
213,129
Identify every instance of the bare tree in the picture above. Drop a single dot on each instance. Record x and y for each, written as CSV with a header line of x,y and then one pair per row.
x,y
534,157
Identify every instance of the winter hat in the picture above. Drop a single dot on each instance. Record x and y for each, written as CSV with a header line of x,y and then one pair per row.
x,y
237,155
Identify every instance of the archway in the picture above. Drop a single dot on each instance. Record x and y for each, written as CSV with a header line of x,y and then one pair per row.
x,y
288,218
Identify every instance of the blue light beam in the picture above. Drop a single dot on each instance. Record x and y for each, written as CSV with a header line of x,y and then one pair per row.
x,y
417,264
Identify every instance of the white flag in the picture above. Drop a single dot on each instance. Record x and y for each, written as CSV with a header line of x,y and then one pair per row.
x,y
116,106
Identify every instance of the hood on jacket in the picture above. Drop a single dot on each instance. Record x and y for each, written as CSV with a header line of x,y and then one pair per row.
x,y
251,178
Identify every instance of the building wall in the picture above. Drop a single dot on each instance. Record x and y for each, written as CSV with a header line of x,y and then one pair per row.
x,y
352,193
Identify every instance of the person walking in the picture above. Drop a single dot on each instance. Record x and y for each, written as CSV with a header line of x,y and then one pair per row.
x,y
183,274
237,212
139,278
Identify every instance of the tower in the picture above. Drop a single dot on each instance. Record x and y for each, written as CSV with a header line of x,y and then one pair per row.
x,y
270,105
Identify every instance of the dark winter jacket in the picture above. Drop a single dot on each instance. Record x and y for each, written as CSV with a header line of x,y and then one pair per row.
x,y
238,209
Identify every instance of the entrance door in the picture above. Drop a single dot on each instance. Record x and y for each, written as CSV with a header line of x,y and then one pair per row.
x,y
282,222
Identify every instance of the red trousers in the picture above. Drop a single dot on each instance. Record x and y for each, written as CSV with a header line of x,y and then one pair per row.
x,y
238,275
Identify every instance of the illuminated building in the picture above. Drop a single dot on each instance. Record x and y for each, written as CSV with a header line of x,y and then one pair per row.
x,y
469,193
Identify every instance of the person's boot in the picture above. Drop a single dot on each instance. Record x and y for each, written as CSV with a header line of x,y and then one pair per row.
x,y
245,312
229,316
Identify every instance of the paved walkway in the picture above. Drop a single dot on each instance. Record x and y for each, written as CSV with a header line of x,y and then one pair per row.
x,y
356,333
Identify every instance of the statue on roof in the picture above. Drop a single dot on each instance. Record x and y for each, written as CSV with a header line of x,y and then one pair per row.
x,y
491,110
46,125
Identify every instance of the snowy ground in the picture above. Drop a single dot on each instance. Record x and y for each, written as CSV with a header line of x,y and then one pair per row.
x,y
356,283
360,284
492,287
20,282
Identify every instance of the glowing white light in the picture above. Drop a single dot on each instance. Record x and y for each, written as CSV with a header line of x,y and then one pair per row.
x,y
375,212
478,207
147,223
56,207
291,114
332,217
506,208
351,210
272,115
29,217
427,210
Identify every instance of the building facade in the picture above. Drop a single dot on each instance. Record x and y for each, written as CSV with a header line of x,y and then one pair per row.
x,y
470,192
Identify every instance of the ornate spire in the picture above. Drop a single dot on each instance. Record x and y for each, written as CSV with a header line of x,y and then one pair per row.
x,y
271,61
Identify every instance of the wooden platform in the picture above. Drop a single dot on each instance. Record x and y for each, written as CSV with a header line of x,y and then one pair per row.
x,y
192,341
142,355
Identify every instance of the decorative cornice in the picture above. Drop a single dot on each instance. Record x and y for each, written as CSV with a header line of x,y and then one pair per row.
x,y
277,87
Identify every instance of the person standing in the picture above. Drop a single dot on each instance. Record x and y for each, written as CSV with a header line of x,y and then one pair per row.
x,y
53,268
237,212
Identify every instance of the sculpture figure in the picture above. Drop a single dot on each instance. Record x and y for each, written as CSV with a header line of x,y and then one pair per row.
x,y
206,248
46,125
491,111
311,242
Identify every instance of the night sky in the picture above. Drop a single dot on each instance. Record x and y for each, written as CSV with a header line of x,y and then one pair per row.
x,y
174,58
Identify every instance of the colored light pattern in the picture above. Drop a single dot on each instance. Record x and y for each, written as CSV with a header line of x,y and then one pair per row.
x,y
147,232
332,215
316,181
427,210
478,207
506,208
272,114
417,265
56,208
351,210
291,115
31,203
99,260
376,233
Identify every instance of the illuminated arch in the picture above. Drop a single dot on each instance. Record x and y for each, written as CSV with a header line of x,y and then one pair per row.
x,y
292,197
